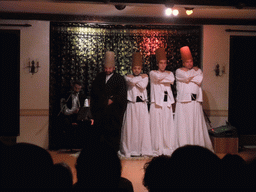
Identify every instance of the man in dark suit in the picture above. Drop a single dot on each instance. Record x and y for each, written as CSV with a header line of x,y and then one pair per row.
x,y
108,102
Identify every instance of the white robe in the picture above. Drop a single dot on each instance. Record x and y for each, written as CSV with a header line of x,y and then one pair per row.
x,y
189,117
135,135
163,133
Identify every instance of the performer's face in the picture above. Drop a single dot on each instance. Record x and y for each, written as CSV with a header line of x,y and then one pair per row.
x,y
109,70
136,70
77,88
188,64
162,65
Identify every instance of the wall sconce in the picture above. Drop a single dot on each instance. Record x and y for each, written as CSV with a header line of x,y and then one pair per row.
x,y
189,11
175,12
120,7
219,72
33,67
169,11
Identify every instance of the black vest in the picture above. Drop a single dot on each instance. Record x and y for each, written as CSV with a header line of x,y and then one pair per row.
x,y
81,98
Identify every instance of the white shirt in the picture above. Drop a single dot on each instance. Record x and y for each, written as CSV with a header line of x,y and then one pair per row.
x,y
184,89
75,104
108,77
136,86
161,82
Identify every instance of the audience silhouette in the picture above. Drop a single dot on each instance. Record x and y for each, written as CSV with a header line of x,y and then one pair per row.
x,y
29,166
252,170
157,173
236,172
99,167
195,166
63,177
26,166
188,167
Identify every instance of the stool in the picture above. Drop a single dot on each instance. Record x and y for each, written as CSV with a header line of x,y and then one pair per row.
x,y
225,144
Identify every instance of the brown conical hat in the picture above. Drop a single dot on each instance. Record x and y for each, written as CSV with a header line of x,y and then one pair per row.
x,y
185,53
160,54
136,59
109,59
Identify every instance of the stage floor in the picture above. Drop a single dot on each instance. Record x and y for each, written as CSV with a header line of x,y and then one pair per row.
x,y
132,168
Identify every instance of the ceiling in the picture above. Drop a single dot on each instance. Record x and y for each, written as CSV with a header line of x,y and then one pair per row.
x,y
235,12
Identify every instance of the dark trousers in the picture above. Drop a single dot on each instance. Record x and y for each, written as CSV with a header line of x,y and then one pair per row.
x,y
76,135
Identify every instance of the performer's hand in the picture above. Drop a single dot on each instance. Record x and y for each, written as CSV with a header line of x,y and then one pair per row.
x,y
189,79
184,69
110,102
92,121
130,75
143,75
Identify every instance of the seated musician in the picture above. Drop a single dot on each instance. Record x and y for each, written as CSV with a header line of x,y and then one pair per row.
x,y
76,111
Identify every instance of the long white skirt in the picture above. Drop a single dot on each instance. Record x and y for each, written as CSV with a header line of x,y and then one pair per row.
x,y
191,126
135,135
163,132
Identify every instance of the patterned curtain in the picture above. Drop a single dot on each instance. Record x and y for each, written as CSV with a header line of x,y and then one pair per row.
x,y
77,51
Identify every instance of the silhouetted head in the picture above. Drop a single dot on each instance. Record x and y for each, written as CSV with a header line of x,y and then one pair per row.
x,y
157,173
195,166
237,171
98,166
27,166
63,177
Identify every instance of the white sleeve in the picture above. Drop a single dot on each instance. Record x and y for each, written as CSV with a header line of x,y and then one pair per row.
x,y
65,108
142,84
132,81
161,77
69,111
198,78
168,79
182,76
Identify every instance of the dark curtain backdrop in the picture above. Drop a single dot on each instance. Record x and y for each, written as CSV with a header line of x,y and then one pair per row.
x,y
77,52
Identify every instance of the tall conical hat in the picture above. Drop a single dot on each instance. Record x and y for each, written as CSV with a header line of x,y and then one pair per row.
x,y
185,53
109,59
160,54
136,59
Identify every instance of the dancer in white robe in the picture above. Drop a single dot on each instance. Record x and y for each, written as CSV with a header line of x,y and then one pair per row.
x,y
135,135
189,117
163,133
